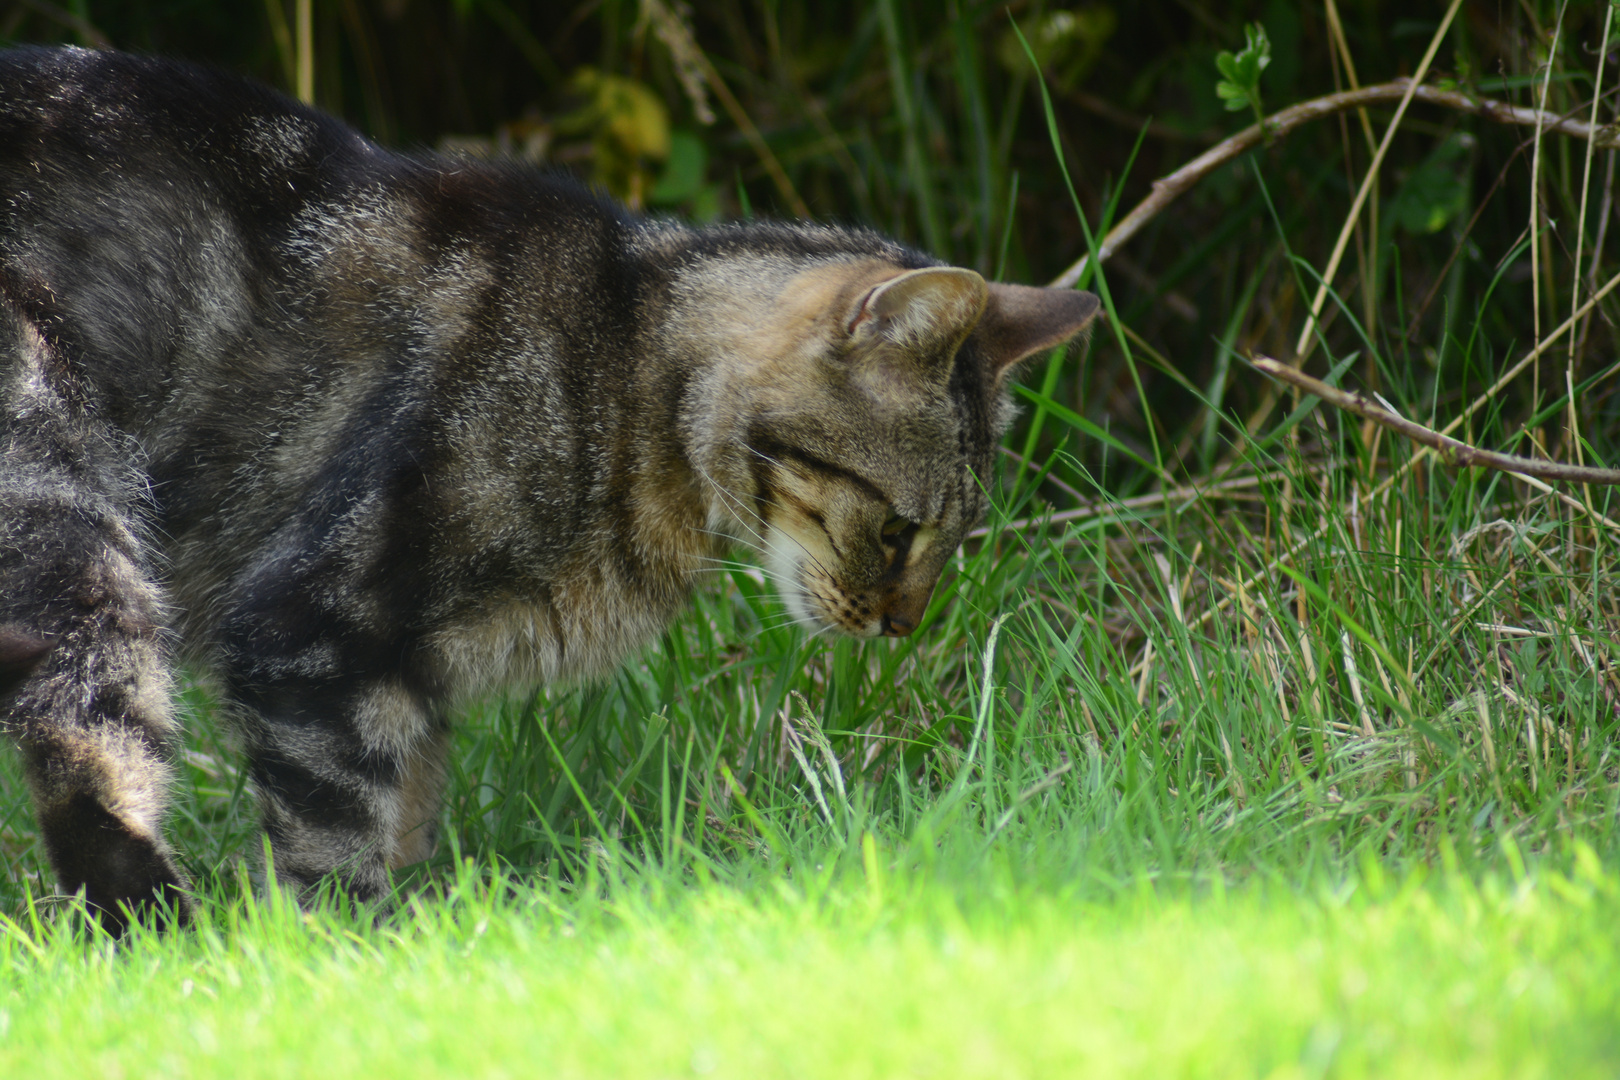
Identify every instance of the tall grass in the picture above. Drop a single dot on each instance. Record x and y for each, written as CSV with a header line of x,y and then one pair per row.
x,y
1211,631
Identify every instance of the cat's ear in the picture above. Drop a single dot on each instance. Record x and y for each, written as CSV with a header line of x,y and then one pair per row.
x,y
926,312
1021,321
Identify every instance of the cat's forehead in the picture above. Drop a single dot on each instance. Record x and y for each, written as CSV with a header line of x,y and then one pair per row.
x,y
772,305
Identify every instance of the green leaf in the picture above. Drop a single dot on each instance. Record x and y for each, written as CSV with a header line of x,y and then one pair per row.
x,y
683,174
1240,88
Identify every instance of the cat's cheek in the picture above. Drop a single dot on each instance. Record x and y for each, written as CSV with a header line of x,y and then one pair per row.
x,y
785,567
813,598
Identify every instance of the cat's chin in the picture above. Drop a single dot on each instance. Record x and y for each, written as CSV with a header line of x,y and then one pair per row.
x,y
821,627
803,610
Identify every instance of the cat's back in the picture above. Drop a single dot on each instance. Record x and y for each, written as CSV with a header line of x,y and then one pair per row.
x,y
76,123
84,117
144,206
174,225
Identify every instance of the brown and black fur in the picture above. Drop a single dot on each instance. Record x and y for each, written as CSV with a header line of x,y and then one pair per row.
x,y
365,434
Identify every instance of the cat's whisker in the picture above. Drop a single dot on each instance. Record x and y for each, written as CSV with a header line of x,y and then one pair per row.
x,y
719,565
765,547
820,630
783,620
808,554
730,500
731,564
762,540
716,533
740,507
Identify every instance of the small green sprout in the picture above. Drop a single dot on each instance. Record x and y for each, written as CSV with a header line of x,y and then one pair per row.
x,y
1241,86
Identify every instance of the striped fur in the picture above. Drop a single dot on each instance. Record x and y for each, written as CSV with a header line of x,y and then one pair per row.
x,y
367,434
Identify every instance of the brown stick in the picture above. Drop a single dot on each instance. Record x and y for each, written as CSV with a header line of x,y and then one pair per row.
x,y
1450,450
1169,188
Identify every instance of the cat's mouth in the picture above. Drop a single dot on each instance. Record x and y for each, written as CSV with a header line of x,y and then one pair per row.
x,y
818,610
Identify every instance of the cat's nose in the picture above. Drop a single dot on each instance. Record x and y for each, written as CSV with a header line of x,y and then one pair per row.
x,y
903,609
897,625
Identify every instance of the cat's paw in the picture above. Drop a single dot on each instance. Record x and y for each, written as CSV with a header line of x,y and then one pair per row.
x,y
125,877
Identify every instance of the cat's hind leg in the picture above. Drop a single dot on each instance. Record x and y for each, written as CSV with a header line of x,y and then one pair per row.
x,y
87,661
350,783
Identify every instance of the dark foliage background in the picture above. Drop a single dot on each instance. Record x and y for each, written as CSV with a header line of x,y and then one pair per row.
x,y
924,118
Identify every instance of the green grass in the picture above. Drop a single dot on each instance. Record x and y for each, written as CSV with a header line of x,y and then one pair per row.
x,y
1243,741
872,969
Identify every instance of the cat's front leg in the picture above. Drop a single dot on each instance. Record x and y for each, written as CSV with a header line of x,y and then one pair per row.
x,y
86,667
319,646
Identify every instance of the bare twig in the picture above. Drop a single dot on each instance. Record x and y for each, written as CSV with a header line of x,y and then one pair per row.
x,y
1388,482
1236,487
1168,189
1450,450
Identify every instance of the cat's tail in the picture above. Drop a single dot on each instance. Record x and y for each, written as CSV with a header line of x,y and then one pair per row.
x,y
84,666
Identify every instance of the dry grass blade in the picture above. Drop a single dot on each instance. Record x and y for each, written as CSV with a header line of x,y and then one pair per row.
x,y
1307,335
1235,487
671,29
1580,239
1535,202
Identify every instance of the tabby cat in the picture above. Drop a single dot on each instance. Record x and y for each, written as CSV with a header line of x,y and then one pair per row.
x,y
365,435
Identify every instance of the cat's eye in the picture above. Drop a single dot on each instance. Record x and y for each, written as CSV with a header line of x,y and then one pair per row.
x,y
894,525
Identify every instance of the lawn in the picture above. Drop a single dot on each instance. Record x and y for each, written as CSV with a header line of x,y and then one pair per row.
x,y
1246,737
872,971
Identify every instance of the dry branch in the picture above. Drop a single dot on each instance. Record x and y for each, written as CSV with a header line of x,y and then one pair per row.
x,y
1168,189
1450,450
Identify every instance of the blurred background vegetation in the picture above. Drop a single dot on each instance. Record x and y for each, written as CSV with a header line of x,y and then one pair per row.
x,y
924,118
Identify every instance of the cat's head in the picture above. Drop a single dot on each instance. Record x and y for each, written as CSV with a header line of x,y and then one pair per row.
x,y
855,424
